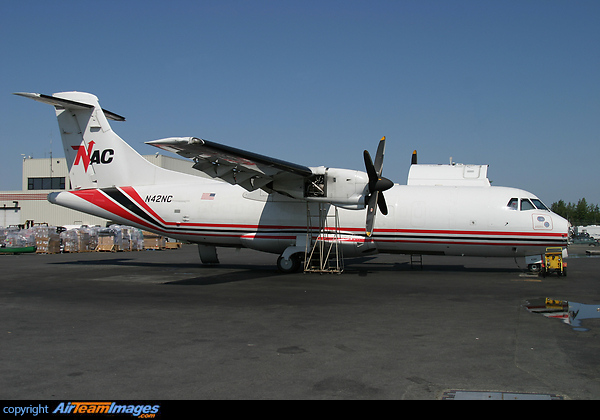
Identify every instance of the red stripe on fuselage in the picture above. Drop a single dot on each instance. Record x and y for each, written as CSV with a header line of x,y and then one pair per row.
x,y
99,199
471,232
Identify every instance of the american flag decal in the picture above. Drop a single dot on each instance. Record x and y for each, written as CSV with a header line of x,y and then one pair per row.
x,y
208,196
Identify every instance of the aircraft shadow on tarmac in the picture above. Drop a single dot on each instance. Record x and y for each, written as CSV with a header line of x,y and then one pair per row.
x,y
127,262
242,272
222,273
366,265
237,276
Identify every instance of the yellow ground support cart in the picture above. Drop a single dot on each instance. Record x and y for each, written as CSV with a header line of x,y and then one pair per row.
x,y
553,262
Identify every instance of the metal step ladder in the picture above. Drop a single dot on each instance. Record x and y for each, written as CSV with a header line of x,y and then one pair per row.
x,y
416,260
323,241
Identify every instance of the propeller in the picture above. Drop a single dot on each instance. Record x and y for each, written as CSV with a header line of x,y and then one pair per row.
x,y
377,184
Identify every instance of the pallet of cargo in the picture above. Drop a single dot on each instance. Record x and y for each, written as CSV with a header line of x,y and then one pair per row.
x,y
106,244
154,241
106,248
153,247
47,247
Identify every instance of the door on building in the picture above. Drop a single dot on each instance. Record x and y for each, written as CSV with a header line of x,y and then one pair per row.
x,y
10,216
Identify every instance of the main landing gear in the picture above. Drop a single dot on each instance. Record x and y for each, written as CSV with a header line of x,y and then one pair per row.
x,y
291,264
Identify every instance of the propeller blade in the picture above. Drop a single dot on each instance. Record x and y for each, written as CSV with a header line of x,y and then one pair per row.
x,y
382,204
414,158
370,171
379,156
371,208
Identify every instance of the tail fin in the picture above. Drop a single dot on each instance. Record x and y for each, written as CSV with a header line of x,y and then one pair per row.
x,y
96,156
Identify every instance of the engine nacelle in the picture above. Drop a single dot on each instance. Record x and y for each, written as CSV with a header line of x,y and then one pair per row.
x,y
344,188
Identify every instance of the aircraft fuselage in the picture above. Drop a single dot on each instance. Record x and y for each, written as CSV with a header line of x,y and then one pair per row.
x,y
440,220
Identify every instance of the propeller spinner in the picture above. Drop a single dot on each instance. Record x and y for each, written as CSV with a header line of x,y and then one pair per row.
x,y
377,184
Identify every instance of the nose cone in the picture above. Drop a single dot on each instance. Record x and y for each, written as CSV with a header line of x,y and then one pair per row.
x,y
562,226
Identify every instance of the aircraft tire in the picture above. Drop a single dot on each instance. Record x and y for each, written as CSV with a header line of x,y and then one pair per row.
x,y
289,266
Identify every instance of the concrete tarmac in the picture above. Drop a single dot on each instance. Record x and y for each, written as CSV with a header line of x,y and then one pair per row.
x,y
157,325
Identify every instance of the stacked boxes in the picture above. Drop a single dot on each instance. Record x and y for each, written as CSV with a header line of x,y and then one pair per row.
x,y
136,240
47,239
119,238
93,237
10,237
122,237
82,239
131,239
106,242
154,241
13,237
173,245
53,240
69,241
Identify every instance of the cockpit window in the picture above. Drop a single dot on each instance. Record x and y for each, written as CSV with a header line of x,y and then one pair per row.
x,y
539,204
526,205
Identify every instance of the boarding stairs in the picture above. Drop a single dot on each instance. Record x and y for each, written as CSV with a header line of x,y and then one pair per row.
x,y
323,241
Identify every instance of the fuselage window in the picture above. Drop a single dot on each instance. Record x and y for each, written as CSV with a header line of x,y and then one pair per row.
x,y
513,204
539,204
526,205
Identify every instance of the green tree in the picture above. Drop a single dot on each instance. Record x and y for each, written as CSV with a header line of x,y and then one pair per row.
x,y
580,214
559,208
594,214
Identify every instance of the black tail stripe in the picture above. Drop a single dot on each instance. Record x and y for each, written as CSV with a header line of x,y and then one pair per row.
x,y
120,198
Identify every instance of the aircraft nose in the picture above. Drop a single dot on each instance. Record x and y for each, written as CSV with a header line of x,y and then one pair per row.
x,y
563,226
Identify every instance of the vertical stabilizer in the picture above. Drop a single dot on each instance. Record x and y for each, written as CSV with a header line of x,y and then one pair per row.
x,y
97,157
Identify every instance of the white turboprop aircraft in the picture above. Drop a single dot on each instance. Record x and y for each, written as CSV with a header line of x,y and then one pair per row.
x,y
274,206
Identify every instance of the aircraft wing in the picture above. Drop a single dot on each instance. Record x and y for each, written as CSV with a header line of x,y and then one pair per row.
x,y
235,166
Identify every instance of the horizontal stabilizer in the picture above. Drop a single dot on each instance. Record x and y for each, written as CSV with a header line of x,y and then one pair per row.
x,y
67,103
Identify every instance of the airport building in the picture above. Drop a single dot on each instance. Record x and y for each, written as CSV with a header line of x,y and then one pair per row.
x,y
43,176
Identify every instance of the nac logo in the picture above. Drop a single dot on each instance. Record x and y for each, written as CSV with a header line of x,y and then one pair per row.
x,y
92,156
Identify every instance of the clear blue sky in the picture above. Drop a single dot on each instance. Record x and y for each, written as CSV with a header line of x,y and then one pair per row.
x,y
512,84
